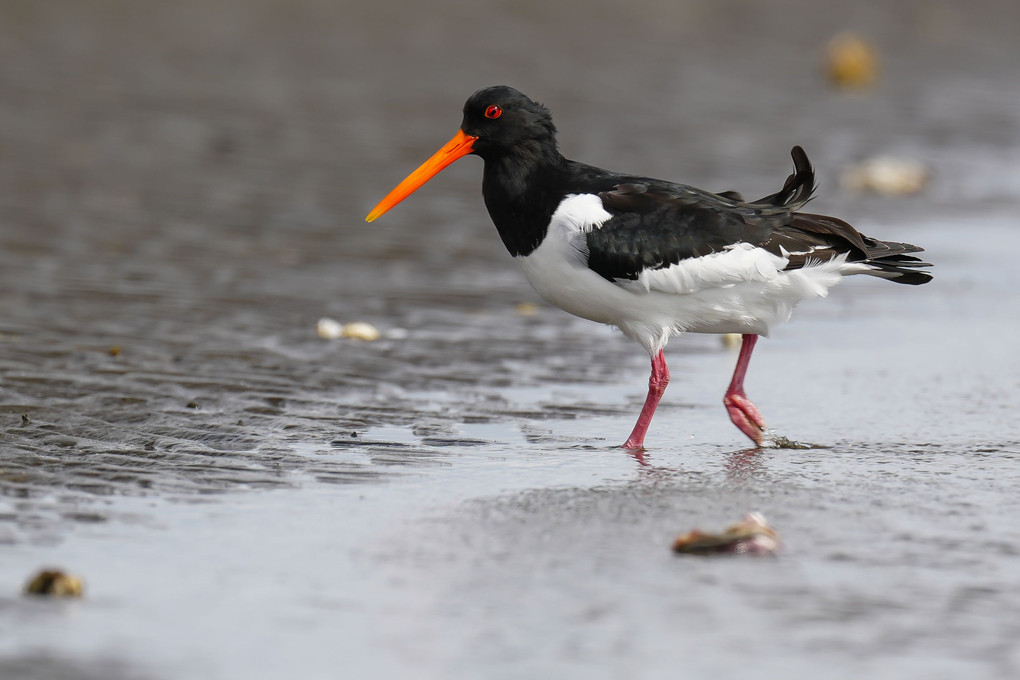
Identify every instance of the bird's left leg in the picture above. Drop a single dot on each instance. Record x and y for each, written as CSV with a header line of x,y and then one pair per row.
x,y
657,382
743,413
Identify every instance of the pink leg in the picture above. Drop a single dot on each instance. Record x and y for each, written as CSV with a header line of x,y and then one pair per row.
x,y
743,413
656,386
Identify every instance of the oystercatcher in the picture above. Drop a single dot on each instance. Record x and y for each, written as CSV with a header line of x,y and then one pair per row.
x,y
651,257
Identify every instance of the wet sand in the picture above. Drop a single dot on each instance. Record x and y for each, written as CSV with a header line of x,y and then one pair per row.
x,y
182,193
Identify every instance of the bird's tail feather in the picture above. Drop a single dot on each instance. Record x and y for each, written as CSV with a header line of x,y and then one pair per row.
x,y
799,186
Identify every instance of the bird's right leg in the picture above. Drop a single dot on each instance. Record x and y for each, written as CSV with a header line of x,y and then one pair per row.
x,y
744,414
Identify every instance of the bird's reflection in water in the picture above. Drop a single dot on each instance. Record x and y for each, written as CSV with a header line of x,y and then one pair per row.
x,y
639,455
745,465
740,466
647,470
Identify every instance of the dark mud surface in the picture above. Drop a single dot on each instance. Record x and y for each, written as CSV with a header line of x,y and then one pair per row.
x,y
182,193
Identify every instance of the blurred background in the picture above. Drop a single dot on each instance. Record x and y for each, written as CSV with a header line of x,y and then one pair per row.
x,y
183,188
255,134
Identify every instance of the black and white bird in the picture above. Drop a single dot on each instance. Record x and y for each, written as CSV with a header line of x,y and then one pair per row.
x,y
654,258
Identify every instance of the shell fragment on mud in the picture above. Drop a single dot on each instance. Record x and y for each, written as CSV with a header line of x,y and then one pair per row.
x,y
359,330
750,536
54,583
330,329
887,176
851,61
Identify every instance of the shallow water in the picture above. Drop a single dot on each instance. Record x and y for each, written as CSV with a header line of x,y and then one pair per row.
x,y
182,190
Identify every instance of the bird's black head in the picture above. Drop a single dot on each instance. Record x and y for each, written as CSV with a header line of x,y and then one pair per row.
x,y
507,122
501,125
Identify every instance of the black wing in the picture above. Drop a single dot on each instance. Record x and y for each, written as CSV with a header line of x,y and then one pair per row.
x,y
656,224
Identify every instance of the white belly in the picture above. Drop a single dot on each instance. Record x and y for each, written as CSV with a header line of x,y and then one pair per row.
x,y
742,289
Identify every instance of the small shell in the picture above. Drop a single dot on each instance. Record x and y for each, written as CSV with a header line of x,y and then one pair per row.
x,y
750,536
851,62
55,583
887,176
359,330
731,340
328,329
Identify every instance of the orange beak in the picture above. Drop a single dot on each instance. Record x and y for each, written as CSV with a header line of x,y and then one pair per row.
x,y
461,145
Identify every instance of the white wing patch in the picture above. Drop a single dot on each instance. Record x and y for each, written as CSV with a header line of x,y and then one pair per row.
x,y
812,249
580,213
738,263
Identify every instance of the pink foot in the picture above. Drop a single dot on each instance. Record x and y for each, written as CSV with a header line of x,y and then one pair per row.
x,y
743,413
746,416
633,445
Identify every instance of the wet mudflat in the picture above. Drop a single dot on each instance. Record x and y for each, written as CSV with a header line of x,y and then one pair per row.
x,y
182,191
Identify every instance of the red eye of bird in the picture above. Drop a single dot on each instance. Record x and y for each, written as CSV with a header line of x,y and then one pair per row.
x,y
493,111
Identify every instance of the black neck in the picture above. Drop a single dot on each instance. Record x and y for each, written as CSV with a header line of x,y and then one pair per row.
x,y
522,192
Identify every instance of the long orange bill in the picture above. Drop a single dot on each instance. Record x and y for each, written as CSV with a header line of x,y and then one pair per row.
x,y
458,147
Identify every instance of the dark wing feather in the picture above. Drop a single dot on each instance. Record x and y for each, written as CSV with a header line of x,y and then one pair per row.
x,y
656,224
798,187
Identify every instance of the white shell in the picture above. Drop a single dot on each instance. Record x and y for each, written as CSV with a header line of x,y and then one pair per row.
x,y
329,329
359,330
